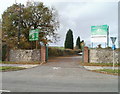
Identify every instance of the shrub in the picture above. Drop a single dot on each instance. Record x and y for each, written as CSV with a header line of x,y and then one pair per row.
x,y
4,52
53,51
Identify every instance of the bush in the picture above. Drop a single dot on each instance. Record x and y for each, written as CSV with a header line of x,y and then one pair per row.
x,y
4,52
118,49
53,51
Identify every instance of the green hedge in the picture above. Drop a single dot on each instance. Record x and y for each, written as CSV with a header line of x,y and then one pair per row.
x,y
53,51
4,52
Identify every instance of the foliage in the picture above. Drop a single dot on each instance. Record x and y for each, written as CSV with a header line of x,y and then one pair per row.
x,y
54,52
4,52
108,47
24,18
109,70
82,44
61,48
69,40
99,46
101,64
10,68
13,62
118,49
78,43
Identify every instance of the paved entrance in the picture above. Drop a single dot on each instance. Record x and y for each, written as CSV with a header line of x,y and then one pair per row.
x,y
63,74
70,62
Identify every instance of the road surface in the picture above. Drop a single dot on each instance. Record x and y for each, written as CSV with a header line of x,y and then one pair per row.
x,y
63,74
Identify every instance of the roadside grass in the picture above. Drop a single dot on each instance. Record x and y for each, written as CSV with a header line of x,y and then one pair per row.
x,y
10,68
10,62
100,64
109,71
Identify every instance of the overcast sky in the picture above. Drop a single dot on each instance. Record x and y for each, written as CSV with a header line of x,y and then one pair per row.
x,y
79,16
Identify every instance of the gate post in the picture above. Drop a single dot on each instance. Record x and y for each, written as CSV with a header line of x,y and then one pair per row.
x,y
43,54
46,52
86,54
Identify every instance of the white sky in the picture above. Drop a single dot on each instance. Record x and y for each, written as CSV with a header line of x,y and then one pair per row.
x,y
79,16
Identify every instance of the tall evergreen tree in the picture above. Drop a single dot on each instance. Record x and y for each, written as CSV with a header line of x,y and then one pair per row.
x,y
78,45
69,40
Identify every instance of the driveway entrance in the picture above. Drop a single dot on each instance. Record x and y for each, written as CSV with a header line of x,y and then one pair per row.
x,y
62,74
70,62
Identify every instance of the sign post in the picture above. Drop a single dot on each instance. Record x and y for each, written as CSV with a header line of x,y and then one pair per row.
x,y
34,36
113,47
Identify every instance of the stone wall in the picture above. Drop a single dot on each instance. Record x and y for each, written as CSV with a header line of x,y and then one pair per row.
x,y
24,55
103,56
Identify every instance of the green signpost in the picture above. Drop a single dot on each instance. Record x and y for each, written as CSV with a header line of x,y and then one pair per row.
x,y
34,35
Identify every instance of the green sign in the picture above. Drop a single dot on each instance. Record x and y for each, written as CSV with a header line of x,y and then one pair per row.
x,y
33,35
99,30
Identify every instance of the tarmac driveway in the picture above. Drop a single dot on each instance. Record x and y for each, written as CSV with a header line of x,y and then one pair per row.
x,y
62,74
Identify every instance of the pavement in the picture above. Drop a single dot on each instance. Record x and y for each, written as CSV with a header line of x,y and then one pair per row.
x,y
21,65
62,74
34,65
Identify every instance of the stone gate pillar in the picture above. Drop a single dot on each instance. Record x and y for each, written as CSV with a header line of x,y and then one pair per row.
x,y
86,54
43,54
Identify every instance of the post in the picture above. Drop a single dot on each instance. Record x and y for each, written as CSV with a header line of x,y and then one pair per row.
x,y
36,44
19,25
105,44
113,47
92,44
86,54
113,60
43,54
46,52
15,2
108,37
0,40
83,53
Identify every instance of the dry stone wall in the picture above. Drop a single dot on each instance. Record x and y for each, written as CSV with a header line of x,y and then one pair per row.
x,y
103,56
24,55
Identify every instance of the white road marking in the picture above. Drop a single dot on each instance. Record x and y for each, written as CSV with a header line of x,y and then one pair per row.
x,y
55,68
4,90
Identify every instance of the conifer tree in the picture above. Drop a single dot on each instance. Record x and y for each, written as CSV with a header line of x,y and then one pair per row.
x,y
69,40
78,45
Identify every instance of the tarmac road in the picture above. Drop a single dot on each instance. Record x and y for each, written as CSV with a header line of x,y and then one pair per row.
x,y
63,74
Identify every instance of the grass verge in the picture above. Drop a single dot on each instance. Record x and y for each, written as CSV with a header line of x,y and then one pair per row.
x,y
100,64
10,68
109,71
10,62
